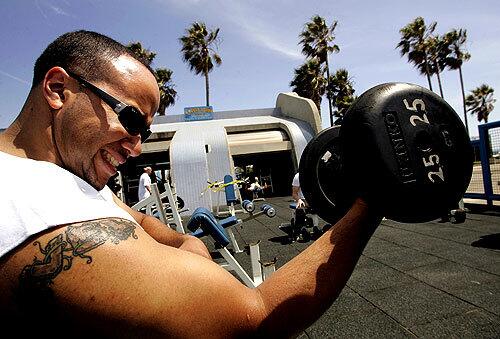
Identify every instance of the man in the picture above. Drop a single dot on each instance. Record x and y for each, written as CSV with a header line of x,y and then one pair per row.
x,y
255,188
145,184
301,210
300,201
77,261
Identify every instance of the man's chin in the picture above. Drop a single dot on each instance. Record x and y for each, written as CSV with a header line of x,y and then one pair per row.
x,y
97,183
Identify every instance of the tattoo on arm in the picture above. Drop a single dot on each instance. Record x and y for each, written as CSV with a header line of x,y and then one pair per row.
x,y
77,241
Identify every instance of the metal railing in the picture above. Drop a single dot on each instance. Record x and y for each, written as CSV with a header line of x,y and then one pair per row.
x,y
485,182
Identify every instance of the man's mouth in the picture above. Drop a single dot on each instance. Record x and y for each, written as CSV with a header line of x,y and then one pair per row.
x,y
110,159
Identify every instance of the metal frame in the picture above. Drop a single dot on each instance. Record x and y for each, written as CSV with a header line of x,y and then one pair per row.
x,y
488,194
258,274
155,200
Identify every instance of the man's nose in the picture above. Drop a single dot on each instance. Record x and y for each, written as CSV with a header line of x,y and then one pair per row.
x,y
133,145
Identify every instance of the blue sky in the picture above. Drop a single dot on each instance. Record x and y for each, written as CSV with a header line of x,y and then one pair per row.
x,y
259,47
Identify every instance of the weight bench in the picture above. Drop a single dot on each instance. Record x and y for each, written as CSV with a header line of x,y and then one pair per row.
x,y
203,222
231,198
231,202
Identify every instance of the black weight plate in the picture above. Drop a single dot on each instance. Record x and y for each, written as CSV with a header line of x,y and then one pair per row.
x,y
320,175
406,151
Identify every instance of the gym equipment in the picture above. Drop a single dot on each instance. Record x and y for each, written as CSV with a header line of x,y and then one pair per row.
x,y
268,210
203,222
248,206
170,213
302,219
458,216
400,147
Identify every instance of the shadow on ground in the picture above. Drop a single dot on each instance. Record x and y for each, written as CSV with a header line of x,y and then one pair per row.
x,y
491,241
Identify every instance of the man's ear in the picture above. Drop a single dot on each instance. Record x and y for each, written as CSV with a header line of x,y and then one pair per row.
x,y
54,85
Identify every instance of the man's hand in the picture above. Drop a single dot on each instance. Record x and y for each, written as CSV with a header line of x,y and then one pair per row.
x,y
167,236
164,234
301,203
195,245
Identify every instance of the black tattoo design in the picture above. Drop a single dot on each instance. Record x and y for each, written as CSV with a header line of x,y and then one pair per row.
x,y
77,241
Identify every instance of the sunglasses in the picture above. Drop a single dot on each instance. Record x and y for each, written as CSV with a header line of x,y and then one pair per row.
x,y
130,117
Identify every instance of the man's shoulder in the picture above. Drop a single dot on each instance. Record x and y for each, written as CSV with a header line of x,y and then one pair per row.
x,y
44,197
50,263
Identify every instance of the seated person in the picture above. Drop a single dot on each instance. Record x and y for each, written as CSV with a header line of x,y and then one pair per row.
x,y
255,188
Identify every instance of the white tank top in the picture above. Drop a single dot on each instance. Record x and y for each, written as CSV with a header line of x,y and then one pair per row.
x,y
37,195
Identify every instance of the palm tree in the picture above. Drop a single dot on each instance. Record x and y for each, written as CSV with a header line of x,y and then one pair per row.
x,y
455,55
435,44
413,43
143,54
199,50
167,91
480,102
309,81
341,91
316,40
163,76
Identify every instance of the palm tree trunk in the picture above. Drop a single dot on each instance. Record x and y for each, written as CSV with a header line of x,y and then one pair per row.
x,y
162,109
207,89
427,72
463,99
439,79
328,84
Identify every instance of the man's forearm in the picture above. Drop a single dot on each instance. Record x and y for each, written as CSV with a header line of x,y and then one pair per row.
x,y
314,279
167,236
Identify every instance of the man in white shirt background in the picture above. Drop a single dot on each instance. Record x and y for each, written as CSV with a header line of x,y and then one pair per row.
x,y
145,184
302,208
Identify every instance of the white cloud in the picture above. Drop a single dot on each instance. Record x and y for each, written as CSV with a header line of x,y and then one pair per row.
x,y
246,21
14,77
58,10
53,8
260,34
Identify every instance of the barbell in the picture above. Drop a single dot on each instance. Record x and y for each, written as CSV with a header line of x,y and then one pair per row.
x,y
400,147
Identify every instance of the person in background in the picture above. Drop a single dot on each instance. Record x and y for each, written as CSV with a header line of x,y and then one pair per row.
x,y
145,184
255,188
297,195
302,209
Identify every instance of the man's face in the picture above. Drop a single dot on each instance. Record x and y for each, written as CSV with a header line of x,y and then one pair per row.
x,y
90,139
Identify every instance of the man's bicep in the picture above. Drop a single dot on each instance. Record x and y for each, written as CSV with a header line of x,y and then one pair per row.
x,y
111,270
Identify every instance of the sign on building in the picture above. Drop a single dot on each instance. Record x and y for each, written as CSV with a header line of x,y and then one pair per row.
x,y
198,113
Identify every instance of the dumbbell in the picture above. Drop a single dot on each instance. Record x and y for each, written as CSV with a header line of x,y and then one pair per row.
x,y
248,206
268,210
457,216
400,147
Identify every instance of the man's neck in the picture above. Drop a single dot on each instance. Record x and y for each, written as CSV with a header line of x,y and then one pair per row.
x,y
30,136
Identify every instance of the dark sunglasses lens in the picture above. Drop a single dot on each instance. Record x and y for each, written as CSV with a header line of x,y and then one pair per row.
x,y
145,134
132,120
